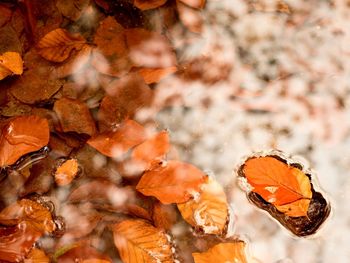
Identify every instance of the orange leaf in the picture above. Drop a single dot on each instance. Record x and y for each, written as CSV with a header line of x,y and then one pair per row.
x,y
164,216
22,135
223,253
151,150
138,241
66,172
175,182
279,184
117,142
36,255
148,4
209,211
58,45
30,211
10,63
157,74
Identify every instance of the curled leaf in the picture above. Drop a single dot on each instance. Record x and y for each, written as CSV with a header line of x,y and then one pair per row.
x,y
58,45
138,241
209,211
223,253
22,135
174,182
66,172
117,142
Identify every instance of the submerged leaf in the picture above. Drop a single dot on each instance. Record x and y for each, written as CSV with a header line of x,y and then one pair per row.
x,y
175,182
58,45
223,253
138,241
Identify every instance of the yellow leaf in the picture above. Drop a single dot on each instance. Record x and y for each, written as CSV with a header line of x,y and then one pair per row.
x,y
58,45
232,252
209,211
138,241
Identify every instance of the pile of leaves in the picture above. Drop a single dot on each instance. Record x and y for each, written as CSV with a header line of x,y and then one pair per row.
x,y
83,181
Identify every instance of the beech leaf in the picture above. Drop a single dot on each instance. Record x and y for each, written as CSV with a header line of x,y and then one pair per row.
x,y
22,135
58,45
174,182
10,63
279,184
138,241
223,253
66,172
148,4
209,211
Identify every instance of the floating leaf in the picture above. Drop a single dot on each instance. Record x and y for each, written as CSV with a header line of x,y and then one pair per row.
x,y
117,142
174,182
209,211
138,241
279,184
148,4
66,172
10,63
22,135
155,75
74,116
58,45
223,253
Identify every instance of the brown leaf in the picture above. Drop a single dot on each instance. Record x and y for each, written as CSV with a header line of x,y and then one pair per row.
x,y
124,98
149,49
164,216
5,14
148,4
138,241
72,9
58,45
194,3
66,172
22,135
157,74
279,184
209,211
36,256
16,241
74,116
119,141
223,253
10,63
173,182
79,253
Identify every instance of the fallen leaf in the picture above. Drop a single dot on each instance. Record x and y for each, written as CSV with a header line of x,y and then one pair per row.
x,y
119,141
155,75
16,241
164,216
72,9
66,172
149,49
138,241
223,253
151,151
79,253
74,116
209,211
191,18
22,135
30,211
174,182
148,4
58,45
10,63
279,184
5,14
125,96
36,256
